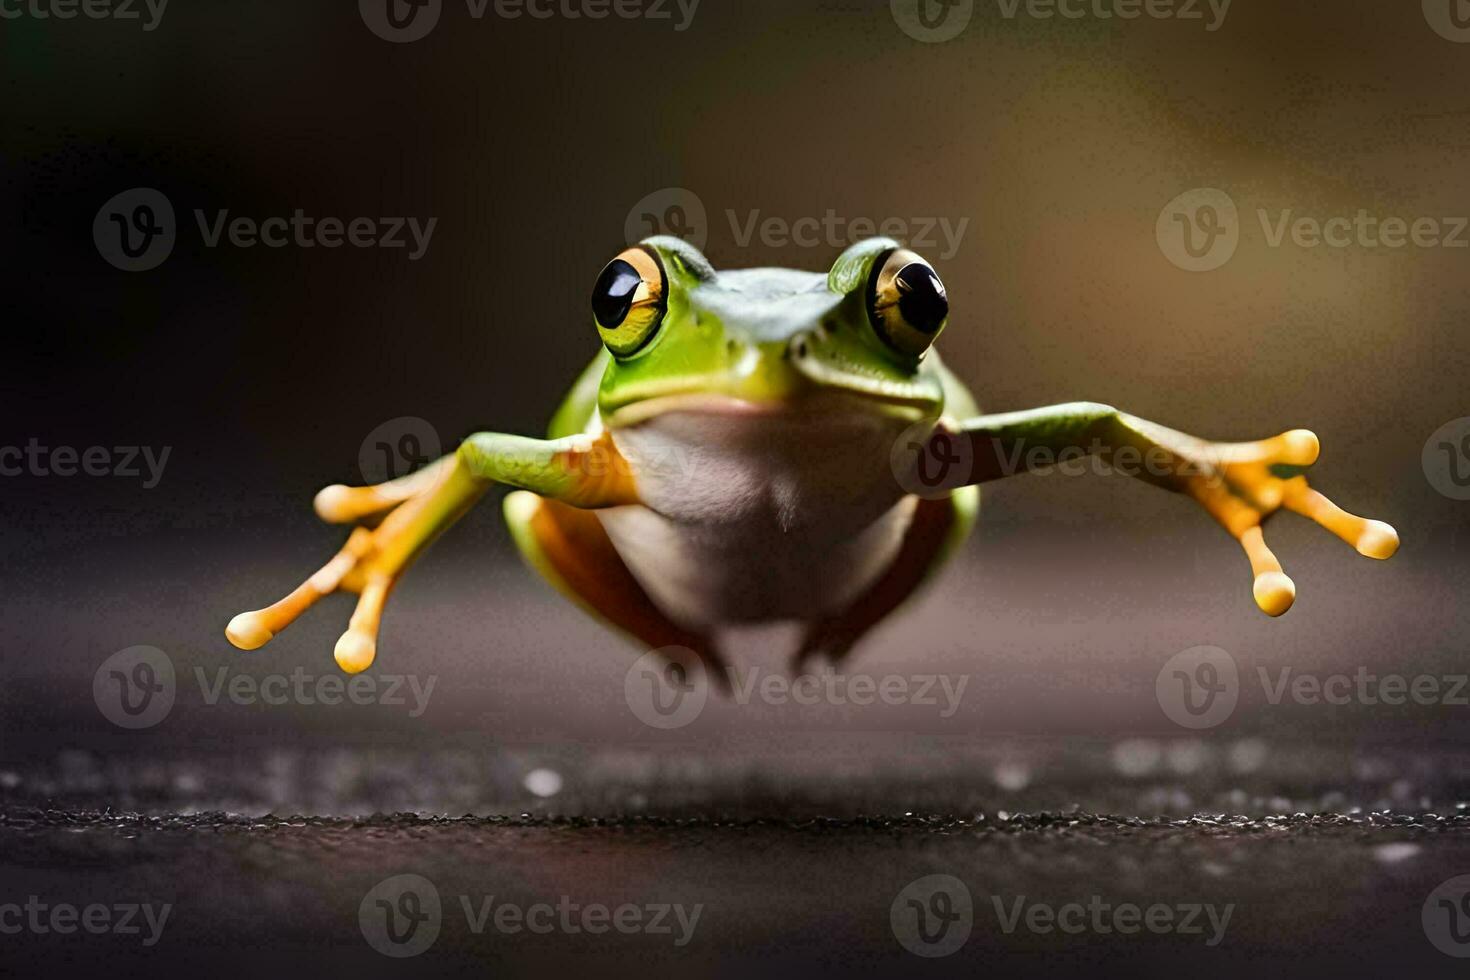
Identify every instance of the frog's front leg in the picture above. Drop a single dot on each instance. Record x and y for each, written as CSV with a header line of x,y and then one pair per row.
x,y
583,471
1239,484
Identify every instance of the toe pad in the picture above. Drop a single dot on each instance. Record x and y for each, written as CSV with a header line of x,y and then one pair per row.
x,y
1377,540
355,651
248,631
1274,592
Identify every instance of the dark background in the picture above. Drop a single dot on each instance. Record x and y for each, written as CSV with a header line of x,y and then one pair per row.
x,y
264,370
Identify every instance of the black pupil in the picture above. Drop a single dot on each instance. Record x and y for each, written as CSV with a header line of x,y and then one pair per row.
x,y
922,299
612,297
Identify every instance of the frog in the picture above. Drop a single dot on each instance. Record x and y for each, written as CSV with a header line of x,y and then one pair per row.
x,y
770,445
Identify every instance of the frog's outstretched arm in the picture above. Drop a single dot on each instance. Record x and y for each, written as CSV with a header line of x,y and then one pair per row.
x,y
1240,484
583,471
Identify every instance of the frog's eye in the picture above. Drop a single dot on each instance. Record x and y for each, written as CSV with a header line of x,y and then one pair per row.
x,y
906,302
629,301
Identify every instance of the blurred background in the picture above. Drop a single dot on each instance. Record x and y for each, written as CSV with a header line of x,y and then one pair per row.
x,y
1047,166
1031,157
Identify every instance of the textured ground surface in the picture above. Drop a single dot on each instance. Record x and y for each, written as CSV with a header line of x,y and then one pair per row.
x,y
1330,881
1058,779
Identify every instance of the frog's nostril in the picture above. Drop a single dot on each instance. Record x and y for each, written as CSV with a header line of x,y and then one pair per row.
x,y
799,347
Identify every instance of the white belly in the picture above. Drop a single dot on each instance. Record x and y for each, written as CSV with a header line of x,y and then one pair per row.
x,y
755,517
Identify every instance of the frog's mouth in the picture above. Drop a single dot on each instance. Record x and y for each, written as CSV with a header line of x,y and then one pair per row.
x,y
818,402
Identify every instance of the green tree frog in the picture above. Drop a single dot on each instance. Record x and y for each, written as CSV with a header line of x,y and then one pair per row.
x,y
766,445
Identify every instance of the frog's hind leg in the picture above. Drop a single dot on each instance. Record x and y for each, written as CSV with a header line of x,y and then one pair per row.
x,y
938,528
569,548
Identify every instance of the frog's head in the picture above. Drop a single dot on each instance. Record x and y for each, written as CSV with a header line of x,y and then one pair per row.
x,y
684,337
